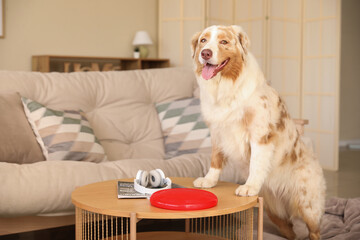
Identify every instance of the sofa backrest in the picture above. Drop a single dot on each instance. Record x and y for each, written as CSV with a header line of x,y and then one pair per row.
x,y
119,104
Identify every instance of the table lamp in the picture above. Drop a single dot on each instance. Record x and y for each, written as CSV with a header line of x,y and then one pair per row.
x,y
141,40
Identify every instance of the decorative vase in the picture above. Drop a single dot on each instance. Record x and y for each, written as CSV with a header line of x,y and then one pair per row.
x,y
144,51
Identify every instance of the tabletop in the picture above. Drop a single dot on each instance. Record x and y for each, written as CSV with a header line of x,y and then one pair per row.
x,y
101,197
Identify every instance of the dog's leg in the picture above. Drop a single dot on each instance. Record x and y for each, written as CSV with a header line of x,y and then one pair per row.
x,y
260,163
312,221
285,226
212,177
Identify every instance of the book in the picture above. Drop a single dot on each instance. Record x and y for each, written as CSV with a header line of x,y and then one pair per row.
x,y
126,190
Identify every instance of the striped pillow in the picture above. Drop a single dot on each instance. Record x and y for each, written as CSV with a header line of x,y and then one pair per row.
x,y
63,135
183,128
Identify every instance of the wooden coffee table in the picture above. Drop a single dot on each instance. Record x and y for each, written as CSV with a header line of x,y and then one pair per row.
x,y
101,215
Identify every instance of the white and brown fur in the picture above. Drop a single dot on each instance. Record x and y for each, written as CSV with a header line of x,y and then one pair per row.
x,y
249,123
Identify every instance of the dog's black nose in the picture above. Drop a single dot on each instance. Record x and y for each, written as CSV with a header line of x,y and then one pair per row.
x,y
206,54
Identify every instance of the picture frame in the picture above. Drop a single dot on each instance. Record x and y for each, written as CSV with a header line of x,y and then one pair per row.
x,y
2,18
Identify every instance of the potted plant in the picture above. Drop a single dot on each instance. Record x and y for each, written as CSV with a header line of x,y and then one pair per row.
x,y
136,52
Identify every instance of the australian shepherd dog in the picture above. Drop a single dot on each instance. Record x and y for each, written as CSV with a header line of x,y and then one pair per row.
x,y
250,124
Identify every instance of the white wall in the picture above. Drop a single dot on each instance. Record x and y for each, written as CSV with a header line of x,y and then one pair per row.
x,y
350,71
73,27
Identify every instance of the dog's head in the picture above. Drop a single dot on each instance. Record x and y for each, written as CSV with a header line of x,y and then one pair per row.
x,y
220,50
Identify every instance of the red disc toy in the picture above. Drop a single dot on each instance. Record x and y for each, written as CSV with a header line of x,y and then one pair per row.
x,y
183,199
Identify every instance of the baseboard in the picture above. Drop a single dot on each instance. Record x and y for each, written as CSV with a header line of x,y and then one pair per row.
x,y
352,144
343,143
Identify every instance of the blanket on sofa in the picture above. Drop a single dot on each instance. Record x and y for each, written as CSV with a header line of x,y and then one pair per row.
x,y
341,221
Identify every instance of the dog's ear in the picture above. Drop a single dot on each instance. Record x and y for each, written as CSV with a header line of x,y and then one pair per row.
x,y
243,37
194,43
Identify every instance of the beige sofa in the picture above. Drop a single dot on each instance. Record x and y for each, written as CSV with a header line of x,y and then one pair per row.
x,y
120,107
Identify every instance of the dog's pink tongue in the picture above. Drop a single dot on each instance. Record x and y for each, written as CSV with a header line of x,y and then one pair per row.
x,y
208,71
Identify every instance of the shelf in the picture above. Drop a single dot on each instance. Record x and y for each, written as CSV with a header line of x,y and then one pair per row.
x,y
51,63
170,235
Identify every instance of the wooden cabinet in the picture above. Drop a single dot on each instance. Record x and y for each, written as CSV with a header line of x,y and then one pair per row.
x,y
49,63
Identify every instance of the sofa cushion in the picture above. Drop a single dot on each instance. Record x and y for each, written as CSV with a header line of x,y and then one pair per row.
x,y
17,142
63,135
48,184
183,128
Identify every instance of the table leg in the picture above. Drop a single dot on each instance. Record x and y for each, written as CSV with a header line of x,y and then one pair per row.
x,y
78,224
260,218
133,221
187,225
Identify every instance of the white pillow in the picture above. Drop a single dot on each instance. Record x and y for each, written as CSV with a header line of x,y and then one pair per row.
x,y
63,135
183,128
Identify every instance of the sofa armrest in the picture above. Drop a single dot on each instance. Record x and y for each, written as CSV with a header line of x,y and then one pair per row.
x,y
300,124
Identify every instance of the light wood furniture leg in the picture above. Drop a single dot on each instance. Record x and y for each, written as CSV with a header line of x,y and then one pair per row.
x,y
187,225
133,221
260,218
78,224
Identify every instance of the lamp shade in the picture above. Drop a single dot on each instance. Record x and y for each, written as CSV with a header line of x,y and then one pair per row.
x,y
142,38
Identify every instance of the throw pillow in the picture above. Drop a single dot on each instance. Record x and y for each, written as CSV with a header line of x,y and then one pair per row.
x,y
17,140
63,135
183,128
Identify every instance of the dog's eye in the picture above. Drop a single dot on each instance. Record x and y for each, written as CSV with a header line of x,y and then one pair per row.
x,y
203,40
224,42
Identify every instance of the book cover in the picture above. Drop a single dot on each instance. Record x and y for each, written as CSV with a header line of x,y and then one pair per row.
x,y
126,190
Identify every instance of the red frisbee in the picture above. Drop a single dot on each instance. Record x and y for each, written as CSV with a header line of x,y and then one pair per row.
x,y
183,199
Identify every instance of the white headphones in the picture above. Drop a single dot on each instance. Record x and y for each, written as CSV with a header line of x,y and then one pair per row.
x,y
155,177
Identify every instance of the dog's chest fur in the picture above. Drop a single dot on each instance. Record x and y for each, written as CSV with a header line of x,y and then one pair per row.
x,y
225,108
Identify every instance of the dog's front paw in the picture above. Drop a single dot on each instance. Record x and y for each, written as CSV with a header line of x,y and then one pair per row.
x,y
246,190
204,183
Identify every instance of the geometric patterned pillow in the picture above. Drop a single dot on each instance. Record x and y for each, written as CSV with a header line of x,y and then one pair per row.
x,y
63,135
183,128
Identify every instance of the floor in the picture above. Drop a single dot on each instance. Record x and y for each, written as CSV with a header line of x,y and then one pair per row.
x,y
60,233
345,183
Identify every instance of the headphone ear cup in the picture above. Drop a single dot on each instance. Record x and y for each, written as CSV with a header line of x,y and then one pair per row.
x,y
156,179
144,178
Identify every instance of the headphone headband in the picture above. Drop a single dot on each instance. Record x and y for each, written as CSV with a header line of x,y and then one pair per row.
x,y
157,179
149,191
